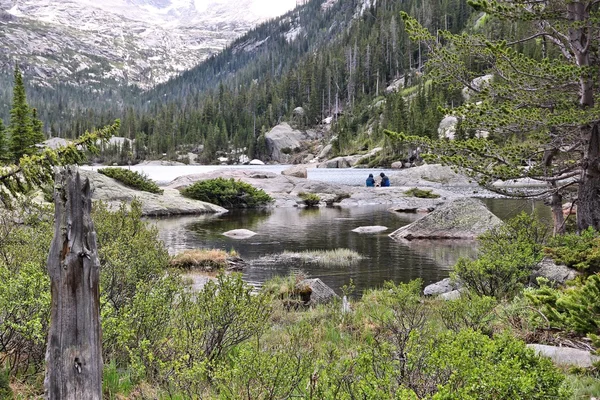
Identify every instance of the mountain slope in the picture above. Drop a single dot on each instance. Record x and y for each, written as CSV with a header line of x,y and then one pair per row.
x,y
126,42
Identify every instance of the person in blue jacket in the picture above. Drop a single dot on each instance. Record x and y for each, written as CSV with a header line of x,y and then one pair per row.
x,y
370,181
385,181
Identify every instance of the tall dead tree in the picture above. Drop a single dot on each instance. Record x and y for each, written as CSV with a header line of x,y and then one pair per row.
x,y
74,353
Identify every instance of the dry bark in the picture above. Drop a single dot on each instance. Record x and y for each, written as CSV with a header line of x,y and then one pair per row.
x,y
74,353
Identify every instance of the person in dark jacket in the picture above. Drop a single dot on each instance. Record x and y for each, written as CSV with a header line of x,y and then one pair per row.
x,y
370,181
385,181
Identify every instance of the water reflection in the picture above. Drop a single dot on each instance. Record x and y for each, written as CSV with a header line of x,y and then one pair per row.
x,y
320,228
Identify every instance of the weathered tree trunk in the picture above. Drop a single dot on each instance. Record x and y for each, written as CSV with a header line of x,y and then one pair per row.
x,y
74,353
588,194
580,40
557,214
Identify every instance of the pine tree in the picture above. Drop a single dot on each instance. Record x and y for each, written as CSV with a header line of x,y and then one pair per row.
x,y
20,127
37,128
4,154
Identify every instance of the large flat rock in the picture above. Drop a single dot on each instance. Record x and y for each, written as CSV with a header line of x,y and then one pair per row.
x,y
171,202
566,356
464,218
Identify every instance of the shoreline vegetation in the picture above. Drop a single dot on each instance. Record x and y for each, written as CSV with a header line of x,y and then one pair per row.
x,y
162,340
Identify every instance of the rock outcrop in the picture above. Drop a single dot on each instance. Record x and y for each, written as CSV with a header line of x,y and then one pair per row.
x,y
464,218
349,161
433,175
282,140
171,202
553,272
316,291
444,286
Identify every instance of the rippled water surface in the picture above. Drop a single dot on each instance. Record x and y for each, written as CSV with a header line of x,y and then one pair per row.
x,y
297,229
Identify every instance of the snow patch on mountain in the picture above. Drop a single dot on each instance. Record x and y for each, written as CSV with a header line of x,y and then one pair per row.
x,y
134,42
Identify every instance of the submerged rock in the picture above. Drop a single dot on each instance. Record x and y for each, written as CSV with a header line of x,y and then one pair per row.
x,y
370,229
239,234
464,218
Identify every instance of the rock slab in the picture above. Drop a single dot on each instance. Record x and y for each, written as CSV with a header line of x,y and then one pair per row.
x,y
320,293
171,202
464,218
566,356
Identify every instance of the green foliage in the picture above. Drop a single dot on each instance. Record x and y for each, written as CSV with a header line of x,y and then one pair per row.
x,y
421,193
132,179
5,390
37,170
580,251
25,235
478,367
576,308
278,370
24,317
115,382
130,252
4,153
227,193
310,199
470,311
506,256
20,128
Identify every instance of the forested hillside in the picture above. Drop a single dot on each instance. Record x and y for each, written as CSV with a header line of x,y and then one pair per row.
x,y
333,59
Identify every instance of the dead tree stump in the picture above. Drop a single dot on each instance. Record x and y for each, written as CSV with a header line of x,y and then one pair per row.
x,y
74,353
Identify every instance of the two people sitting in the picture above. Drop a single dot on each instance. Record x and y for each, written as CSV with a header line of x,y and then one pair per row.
x,y
385,181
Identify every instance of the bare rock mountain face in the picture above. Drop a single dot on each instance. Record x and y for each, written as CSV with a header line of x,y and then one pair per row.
x,y
130,42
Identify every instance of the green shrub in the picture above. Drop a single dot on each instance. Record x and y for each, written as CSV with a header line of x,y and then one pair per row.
x,y
421,193
132,179
227,193
5,390
310,199
469,311
576,308
506,257
577,251
477,367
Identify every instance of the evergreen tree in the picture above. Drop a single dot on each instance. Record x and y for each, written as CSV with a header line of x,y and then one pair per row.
x,y
37,128
20,127
4,154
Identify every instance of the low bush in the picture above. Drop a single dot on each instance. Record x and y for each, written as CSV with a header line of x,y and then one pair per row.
x,y
577,251
132,179
506,257
576,308
227,193
421,193
310,199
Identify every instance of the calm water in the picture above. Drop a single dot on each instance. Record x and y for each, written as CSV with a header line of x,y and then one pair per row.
x,y
296,229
